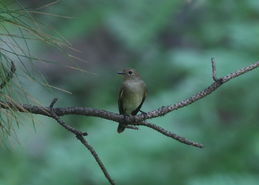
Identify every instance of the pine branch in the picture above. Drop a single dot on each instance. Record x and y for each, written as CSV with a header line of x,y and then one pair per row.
x,y
9,76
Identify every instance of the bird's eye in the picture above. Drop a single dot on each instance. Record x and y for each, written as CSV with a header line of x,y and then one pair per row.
x,y
130,72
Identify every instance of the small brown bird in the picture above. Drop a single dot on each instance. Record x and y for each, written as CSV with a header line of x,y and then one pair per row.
x,y
132,95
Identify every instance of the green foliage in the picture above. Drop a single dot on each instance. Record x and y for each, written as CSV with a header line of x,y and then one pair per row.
x,y
170,43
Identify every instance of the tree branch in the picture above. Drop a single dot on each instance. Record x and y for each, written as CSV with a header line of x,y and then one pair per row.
x,y
80,136
87,111
166,109
214,72
132,121
96,157
169,134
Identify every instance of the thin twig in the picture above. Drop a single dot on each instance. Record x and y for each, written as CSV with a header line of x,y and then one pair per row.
x,y
97,158
80,136
170,134
214,72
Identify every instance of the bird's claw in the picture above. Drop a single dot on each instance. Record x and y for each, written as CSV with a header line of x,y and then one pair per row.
x,y
143,113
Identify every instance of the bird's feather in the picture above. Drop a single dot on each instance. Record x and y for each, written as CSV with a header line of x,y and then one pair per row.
x,y
139,107
120,102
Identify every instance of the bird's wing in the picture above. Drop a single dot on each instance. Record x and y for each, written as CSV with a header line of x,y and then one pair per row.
x,y
139,107
121,110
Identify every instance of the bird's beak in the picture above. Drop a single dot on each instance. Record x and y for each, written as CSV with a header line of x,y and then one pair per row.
x,y
121,73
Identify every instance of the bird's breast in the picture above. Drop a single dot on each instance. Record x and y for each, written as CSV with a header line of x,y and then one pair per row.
x,y
133,95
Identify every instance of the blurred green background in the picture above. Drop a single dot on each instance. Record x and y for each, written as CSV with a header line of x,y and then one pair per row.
x,y
170,43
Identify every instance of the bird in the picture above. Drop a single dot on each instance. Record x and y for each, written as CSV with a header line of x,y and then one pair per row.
x,y
132,95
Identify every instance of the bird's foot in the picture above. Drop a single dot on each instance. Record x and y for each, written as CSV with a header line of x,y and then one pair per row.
x,y
144,114
126,118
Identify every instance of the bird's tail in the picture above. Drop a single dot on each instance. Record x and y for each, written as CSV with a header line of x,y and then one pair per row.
x,y
121,127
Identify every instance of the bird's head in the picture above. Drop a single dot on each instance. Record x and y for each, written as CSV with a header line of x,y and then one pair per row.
x,y
129,74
